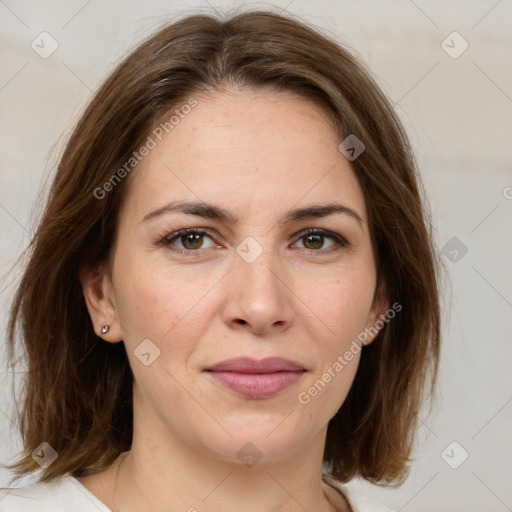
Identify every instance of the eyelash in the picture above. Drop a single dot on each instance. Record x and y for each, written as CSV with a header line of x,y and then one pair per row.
x,y
340,242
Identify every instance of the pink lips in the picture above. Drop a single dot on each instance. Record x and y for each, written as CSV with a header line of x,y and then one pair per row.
x,y
257,378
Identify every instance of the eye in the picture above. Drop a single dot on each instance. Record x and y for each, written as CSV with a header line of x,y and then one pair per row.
x,y
191,240
314,240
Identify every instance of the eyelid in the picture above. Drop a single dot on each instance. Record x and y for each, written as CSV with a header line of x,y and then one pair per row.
x,y
168,239
325,232
186,231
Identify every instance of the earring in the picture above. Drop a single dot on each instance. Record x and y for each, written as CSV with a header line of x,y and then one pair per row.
x,y
105,329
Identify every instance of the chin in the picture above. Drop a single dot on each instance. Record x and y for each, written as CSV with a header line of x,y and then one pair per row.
x,y
250,445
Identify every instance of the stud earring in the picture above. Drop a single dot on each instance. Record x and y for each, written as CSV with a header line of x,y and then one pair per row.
x,y
105,329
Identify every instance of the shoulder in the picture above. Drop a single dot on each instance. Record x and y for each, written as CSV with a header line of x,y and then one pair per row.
x,y
358,502
59,495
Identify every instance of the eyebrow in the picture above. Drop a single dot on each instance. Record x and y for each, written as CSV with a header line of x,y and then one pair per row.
x,y
211,211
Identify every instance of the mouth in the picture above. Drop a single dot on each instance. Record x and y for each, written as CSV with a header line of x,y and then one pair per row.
x,y
253,378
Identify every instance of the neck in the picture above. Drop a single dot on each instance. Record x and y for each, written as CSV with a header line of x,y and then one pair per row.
x,y
157,478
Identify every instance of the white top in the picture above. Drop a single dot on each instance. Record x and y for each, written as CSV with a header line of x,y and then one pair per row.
x,y
68,494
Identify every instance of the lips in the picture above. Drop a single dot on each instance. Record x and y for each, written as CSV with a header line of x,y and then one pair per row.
x,y
249,365
253,378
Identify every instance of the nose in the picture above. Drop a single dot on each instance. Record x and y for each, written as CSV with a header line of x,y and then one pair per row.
x,y
259,298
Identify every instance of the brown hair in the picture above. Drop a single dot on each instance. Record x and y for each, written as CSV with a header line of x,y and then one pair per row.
x,y
77,393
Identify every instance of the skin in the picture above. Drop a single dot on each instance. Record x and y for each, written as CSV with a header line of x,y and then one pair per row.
x,y
258,155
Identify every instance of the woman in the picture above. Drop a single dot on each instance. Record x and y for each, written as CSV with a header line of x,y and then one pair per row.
x,y
231,301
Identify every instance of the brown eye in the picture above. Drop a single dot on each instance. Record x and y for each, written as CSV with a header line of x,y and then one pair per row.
x,y
190,239
314,240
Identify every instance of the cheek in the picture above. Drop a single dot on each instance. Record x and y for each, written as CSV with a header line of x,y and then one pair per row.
x,y
343,304
324,392
157,301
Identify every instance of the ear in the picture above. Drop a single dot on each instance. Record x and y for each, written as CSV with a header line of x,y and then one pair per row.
x,y
377,314
99,299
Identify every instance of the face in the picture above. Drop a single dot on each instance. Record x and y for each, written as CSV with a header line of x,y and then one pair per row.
x,y
250,279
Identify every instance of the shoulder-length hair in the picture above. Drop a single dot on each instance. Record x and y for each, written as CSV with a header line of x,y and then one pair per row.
x,y
77,393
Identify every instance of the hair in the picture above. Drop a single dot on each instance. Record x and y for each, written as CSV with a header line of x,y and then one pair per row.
x,y
77,390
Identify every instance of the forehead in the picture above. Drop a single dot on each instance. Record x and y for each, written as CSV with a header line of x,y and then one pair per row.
x,y
258,151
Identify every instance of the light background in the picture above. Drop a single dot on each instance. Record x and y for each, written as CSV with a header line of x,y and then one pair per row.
x,y
458,114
